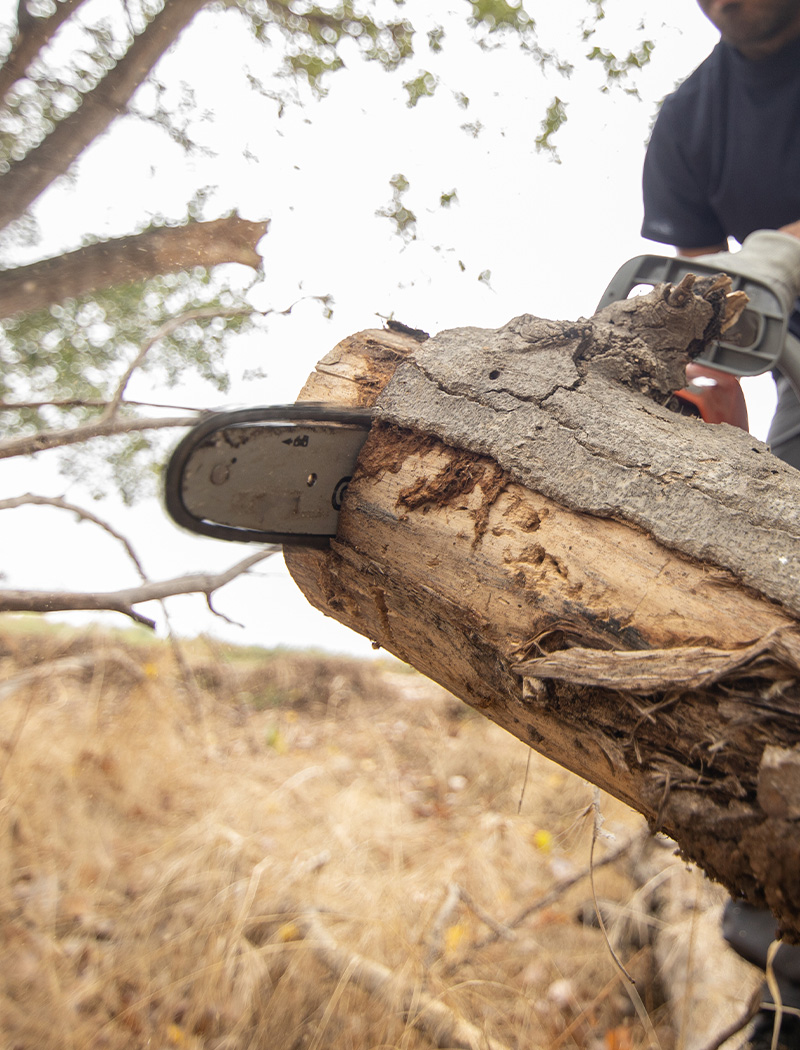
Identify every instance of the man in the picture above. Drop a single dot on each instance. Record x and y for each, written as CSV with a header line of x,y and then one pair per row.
x,y
724,157
724,161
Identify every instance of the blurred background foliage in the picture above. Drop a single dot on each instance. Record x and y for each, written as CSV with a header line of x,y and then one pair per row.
x,y
66,60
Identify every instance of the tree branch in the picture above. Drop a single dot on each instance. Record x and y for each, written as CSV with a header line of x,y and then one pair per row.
x,y
29,42
126,259
85,402
31,500
166,329
29,177
122,601
30,444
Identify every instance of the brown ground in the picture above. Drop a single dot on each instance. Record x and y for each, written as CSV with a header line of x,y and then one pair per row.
x,y
166,849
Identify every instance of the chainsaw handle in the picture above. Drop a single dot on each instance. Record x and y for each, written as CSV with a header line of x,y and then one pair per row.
x,y
765,319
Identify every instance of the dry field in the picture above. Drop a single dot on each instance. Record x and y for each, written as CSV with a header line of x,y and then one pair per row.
x,y
290,850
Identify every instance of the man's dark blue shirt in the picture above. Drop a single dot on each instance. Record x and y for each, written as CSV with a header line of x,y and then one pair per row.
x,y
723,161
724,157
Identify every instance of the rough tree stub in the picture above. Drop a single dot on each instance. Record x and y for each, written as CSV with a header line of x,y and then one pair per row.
x,y
614,584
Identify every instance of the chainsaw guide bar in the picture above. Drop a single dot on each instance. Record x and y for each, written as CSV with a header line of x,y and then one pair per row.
x,y
273,474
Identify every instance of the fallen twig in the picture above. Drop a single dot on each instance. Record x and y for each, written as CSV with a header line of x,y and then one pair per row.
x,y
440,1023
733,1029
458,895
556,893
504,932
442,920
68,665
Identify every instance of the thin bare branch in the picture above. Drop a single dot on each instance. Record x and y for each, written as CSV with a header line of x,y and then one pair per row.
x,y
88,402
30,444
123,600
200,313
66,402
29,499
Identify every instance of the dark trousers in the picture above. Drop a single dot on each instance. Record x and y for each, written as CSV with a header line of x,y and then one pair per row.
x,y
784,431
750,931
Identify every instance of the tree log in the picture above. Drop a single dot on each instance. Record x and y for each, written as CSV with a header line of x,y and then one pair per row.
x,y
613,583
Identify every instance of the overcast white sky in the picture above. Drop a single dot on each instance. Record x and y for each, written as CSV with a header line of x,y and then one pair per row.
x,y
551,234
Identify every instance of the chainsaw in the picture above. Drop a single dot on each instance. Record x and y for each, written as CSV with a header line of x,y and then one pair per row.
x,y
278,474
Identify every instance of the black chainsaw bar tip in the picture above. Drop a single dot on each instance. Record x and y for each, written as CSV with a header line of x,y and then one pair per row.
x,y
271,474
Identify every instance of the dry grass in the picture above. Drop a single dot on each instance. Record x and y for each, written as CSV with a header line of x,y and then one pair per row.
x,y
157,870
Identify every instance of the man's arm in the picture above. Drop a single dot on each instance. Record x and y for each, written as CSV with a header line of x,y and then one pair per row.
x,y
690,253
793,229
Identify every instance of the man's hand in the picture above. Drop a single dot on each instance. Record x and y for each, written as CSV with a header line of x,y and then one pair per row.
x,y
771,256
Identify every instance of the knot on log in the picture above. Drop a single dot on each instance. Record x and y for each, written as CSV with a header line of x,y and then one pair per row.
x,y
646,342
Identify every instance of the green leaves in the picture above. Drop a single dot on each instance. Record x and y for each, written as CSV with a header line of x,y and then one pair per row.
x,y
403,218
617,69
65,365
499,14
423,86
435,38
314,34
556,116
